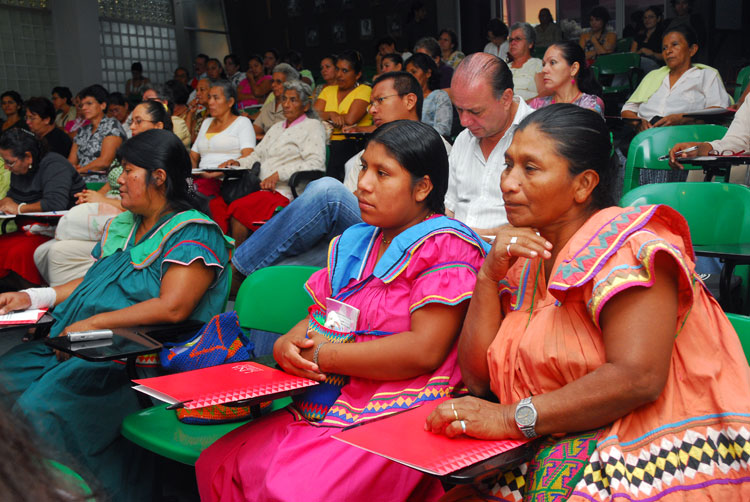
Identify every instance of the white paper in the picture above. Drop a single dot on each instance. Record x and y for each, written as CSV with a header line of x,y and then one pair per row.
x,y
28,316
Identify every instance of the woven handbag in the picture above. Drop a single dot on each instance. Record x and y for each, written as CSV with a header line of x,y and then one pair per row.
x,y
315,402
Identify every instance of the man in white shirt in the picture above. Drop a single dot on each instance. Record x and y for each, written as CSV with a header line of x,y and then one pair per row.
x,y
482,91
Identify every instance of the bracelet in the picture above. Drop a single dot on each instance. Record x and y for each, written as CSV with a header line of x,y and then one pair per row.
x,y
41,297
18,209
315,354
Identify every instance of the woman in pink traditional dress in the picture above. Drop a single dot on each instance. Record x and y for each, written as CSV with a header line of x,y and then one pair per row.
x,y
409,270
589,324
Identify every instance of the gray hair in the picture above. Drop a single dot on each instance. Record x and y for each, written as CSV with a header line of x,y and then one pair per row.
x,y
304,92
229,92
528,32
430,45
288,70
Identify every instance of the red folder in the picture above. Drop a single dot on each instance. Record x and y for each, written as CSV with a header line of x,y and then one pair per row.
x,y
222,384
401,437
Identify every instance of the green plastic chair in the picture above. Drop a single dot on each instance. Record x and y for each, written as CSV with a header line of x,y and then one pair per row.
x,y
741,324
71,480
94,186
624,44
742,79
726,222
270,299
624,63
647,146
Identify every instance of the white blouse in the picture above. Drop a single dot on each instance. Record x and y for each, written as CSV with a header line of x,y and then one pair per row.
x,y
695,90
524,83
225,145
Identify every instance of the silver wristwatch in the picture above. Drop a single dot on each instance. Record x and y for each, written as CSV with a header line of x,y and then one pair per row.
x,y
526,417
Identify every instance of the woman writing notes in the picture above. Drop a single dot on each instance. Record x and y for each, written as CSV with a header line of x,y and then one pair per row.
x,y
410,314
589,325
158,262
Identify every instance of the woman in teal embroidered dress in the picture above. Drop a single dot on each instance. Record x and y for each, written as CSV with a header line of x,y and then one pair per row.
x,y
158,262
409,270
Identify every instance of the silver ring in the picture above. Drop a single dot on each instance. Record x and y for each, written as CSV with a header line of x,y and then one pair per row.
x,y
513,239
507,250
463,426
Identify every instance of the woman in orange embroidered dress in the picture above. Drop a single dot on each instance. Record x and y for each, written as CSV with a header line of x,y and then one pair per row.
x,y
602,337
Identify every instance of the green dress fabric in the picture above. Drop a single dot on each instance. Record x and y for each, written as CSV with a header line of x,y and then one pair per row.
x,y
77,406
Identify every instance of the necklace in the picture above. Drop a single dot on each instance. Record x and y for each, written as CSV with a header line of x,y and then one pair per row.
x,y
388,241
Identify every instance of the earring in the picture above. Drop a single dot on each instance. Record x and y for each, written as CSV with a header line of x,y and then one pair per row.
x,y
572,81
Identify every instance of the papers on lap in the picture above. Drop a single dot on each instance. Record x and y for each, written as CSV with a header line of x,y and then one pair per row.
x,y
43,214
221,384
401,437
31,316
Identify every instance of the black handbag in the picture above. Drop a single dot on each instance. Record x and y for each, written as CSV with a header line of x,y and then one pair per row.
x,y
238,183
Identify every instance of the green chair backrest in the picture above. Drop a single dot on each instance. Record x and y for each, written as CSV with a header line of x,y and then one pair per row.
x,y
647,146
742,79
94,185
624,44
741,325
615,64
717,213
274,298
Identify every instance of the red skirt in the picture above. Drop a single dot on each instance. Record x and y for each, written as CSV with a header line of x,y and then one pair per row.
x,y
248,210
17,255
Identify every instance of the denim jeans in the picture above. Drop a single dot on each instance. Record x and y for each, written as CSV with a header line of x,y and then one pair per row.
x,y
324,210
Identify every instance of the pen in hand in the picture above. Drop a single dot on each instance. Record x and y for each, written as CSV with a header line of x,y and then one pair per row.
x,y
679,152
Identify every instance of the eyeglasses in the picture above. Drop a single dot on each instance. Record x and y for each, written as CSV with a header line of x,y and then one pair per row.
x,y
516,39
138,121
11,165
725,153
379,101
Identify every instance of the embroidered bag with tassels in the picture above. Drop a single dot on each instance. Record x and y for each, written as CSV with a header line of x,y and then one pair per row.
x,y
220,341
314,403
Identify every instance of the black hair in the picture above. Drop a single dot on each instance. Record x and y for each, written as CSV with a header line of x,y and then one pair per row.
x,y
96,91
204,57
354,58
15,96
183,69
430,45
222,75
293,58
42,107
175,91
656,9
497,27
269,71
233,57
420,150
452,34
582,138
64,93
396,58
600,12
387,40
229,93
137,66
425,63
684,30
256,57
117,98
19,141
689,2
403,83
157,113
159,149
573,53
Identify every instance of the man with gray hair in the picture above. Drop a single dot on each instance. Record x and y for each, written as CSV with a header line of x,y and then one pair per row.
x,y
482,91
271,111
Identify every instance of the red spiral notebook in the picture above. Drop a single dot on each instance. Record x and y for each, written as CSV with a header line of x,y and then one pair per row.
x,y
401,437
221,384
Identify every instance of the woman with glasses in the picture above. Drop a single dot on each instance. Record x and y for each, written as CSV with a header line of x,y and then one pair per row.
x,y
525,69
68,256
40,181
